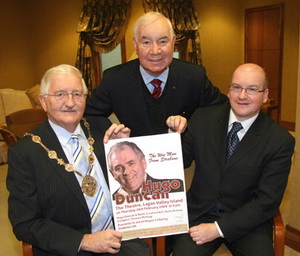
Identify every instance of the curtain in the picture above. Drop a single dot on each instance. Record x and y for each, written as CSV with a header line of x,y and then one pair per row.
x,y
102,26
185,24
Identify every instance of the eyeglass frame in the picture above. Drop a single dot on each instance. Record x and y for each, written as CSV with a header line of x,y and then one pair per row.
x,y
255,91
76,96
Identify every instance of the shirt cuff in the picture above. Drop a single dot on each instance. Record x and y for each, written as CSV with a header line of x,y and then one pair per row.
x,y
219,230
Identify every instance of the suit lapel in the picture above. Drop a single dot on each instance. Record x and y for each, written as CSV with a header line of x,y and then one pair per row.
x,y
51,141
249,142
98,149
174,87
220,133
136,90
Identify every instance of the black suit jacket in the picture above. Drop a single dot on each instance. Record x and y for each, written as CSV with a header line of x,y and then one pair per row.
x,y
46,205
121,92
251,184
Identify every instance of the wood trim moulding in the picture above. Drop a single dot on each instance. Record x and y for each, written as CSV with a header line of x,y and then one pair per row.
x,y
292,237
290,126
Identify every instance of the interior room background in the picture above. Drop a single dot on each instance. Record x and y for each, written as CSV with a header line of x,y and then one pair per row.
x,y
36,35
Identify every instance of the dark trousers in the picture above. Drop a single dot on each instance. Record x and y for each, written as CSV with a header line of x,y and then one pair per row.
x,y
258,242
135,247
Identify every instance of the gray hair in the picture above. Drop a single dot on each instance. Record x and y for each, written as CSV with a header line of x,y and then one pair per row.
x,y
63,69
149,18
121,146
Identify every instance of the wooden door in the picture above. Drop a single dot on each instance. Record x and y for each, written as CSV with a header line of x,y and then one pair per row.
x,y
264,46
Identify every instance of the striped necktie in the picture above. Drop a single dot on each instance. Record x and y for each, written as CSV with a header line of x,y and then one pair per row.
x,y
101,216
157,89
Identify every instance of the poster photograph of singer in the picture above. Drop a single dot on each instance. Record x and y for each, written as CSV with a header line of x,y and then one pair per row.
x,y
146,179
128,165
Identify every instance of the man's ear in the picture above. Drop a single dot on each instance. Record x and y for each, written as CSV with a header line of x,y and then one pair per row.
x,y
266,95
43,103
144,163
134,43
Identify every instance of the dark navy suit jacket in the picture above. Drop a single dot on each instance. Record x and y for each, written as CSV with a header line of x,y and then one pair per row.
x,y
121,92
251,184
46,205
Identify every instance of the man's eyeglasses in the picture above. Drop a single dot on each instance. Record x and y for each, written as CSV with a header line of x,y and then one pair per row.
x,y
250,90
63,96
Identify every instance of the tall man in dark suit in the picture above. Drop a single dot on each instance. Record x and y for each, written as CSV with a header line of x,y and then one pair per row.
x,y
59,199
128,90
233,197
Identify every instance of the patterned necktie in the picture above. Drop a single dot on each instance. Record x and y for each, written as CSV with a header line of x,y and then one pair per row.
x,y
101,216
233,139
157,89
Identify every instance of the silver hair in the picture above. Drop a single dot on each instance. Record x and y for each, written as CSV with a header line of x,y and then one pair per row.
x,y
121,146
63,69
149,18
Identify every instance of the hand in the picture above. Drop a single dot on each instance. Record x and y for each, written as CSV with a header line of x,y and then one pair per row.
x,y
116,131
177,123
107,241
203,233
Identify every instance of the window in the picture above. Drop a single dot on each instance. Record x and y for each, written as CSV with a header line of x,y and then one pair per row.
x,y
115,57
111,59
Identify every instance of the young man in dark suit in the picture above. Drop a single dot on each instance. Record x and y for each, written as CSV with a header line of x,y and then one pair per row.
x,y
129,90
59,199
240,178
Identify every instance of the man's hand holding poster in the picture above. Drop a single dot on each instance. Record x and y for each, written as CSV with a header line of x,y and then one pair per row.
x,y
146,178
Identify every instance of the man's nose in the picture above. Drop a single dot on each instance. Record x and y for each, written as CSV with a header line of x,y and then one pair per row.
x,y
155,49
243,94
70,100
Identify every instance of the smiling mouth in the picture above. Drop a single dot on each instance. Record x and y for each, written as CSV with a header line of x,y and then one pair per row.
x,y
128,178
69,110
155,60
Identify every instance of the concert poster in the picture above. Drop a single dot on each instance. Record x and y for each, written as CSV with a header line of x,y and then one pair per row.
x,y
146,179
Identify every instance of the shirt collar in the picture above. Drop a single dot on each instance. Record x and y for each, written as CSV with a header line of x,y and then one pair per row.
x,y
245,123
62,134
148,78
